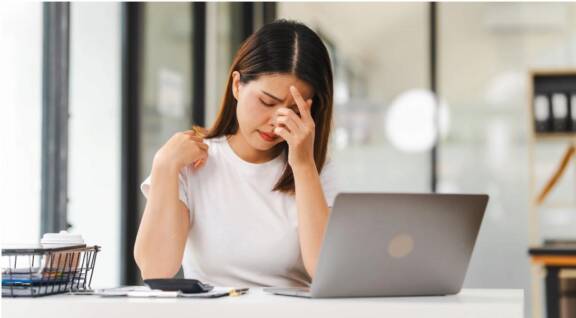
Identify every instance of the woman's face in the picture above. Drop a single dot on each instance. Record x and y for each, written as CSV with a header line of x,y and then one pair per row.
x,y
257,103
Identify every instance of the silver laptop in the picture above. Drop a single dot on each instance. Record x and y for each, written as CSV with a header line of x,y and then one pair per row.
x,y
392,244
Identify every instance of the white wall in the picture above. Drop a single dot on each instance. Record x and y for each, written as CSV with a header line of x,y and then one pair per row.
x,y
94,144
20,121
386,48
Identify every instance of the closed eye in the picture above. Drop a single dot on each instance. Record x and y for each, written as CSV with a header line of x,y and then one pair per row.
x,y
266,104
293,108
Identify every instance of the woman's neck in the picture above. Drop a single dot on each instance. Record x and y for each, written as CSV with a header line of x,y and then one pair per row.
x,y
248,153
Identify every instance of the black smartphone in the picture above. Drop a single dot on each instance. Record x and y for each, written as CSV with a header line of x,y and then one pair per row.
x,y
188,286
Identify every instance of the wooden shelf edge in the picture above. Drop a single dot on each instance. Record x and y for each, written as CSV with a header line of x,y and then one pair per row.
x,y
552,71
554,260
555,136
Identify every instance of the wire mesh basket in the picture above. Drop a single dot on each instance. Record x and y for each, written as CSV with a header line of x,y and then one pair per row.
x,y
40,270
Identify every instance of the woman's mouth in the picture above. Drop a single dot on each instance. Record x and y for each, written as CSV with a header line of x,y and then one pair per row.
x,y
267,137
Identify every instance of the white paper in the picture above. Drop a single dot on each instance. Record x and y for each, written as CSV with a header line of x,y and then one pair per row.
x,y
145,291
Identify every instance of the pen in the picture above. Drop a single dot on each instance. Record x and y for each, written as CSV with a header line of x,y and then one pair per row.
x,y
237,291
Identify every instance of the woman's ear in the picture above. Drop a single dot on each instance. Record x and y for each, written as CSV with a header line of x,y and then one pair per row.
x,y
235,84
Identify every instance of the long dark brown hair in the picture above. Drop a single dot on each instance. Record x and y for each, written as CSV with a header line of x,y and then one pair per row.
x,y
283,46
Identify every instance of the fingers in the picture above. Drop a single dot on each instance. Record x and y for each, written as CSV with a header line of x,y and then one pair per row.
x,y
202,160
287,112
193,135
198,164
289,122
283,132
202,145
184,148
200,131
303,106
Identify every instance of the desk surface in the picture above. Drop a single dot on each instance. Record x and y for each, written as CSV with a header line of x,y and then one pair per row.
x,y
469,303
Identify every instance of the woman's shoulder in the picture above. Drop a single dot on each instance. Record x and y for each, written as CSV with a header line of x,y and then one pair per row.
x,y
215,140
215,153
203,132
215,144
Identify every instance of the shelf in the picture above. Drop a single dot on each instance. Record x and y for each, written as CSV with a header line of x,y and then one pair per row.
x,y
564,136
556,205
548,82
552,72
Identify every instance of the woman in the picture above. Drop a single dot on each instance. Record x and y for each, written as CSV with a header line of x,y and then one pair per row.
x,y
247,204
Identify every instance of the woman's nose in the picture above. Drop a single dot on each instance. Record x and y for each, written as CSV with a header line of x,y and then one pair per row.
x,y
272,117
272,121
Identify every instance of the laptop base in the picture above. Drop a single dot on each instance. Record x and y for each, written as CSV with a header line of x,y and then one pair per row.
x,y
289,291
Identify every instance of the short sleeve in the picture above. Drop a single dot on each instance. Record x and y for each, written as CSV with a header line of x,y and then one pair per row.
x,y
329,182
182,188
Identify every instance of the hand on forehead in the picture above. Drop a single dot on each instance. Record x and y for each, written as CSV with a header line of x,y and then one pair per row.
x,y
277,88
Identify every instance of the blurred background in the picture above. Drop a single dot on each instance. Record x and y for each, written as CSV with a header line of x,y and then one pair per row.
x,y
428,97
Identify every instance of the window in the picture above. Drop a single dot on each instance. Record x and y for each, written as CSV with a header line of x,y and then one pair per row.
x,y
21,120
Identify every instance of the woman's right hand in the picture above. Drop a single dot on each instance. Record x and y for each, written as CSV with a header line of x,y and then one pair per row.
x,y
182,149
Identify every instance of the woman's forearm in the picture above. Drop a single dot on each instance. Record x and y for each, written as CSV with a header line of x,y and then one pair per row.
x,y
164,227
312,214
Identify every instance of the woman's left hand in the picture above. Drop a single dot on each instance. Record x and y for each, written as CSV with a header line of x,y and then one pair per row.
x,y
297,130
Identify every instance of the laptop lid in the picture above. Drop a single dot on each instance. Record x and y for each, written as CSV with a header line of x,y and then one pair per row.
x,y
398,244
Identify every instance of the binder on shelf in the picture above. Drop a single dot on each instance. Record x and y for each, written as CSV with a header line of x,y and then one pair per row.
x,y
542,114
559,112
572,110
553,95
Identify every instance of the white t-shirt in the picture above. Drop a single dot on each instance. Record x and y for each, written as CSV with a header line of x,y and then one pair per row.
x,y
242,233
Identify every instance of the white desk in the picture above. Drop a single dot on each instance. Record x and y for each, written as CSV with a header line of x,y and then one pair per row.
x,y
490,303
